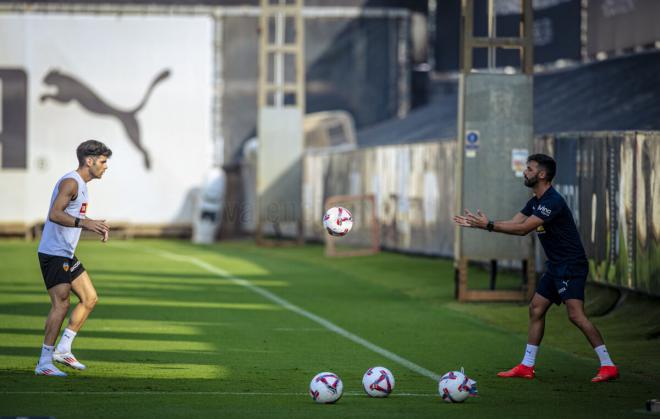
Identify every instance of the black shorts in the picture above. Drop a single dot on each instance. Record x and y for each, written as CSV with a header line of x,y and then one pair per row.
x,y
561,283
59,269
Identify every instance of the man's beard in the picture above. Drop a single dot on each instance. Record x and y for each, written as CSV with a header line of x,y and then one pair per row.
x,y
530,183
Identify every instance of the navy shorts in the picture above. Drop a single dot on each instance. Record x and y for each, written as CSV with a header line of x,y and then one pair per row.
x,y
59,269
561,283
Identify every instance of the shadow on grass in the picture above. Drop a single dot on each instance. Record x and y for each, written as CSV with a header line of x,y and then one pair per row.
x,y
152,274
100,334
153,312
161,357
20,380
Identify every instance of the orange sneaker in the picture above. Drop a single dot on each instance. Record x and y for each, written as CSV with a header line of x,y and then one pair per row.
x,y
520,370
606,373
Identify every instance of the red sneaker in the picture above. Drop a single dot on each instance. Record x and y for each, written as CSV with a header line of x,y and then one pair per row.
x,y
606,373
520,370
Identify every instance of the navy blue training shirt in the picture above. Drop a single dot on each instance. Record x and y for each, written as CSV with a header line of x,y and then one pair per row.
x,y
558,233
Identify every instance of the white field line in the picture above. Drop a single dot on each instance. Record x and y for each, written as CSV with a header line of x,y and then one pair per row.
x,y
311,316
200,393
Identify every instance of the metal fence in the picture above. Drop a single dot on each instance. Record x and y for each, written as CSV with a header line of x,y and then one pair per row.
x,y
609,180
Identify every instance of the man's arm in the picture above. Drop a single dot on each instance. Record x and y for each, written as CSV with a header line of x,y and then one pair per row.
x,y
523,228
519,225
67,190
517,219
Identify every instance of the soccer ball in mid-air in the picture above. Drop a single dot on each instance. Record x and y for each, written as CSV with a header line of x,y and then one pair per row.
x,y
455,387
338,221
326,387
378,382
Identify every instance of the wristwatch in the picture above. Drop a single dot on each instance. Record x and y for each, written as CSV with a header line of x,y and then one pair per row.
x,y
490,226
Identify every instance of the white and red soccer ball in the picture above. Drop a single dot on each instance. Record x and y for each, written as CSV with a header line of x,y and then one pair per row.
x,y
455,387
338,221
378,382
326,387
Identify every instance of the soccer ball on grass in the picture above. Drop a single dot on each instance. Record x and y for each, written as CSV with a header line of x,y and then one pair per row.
x,y
326,387
378,382
455,387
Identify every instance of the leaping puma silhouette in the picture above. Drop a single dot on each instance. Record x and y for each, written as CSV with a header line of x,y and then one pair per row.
x,y
69,88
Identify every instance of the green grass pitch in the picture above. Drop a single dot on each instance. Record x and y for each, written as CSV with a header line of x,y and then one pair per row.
x,y
190,331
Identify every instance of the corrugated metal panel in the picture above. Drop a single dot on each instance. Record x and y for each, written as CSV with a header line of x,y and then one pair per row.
x,y
413,186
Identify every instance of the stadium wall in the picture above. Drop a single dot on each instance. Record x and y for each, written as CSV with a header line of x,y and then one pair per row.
x,y
609,180
132,82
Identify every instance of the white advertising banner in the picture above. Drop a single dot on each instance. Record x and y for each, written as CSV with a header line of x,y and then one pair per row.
x,y
140,84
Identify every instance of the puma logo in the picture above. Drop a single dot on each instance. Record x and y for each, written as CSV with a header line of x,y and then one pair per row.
x,y
69,88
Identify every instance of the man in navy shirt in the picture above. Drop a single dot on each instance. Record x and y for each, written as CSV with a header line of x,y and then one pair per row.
x,y
567,266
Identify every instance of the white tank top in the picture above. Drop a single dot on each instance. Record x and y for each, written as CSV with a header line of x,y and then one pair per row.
x,y
58,240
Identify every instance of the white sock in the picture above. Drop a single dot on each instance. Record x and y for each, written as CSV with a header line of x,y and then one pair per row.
x,y
530,355
66,340
604,356
46,355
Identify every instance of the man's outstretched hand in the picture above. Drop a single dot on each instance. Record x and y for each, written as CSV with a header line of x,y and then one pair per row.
x,y
478,220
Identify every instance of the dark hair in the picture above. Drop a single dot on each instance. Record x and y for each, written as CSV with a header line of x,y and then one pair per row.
x,y
92,148
546,163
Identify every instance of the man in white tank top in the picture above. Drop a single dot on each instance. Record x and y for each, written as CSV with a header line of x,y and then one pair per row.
x,y
62,271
